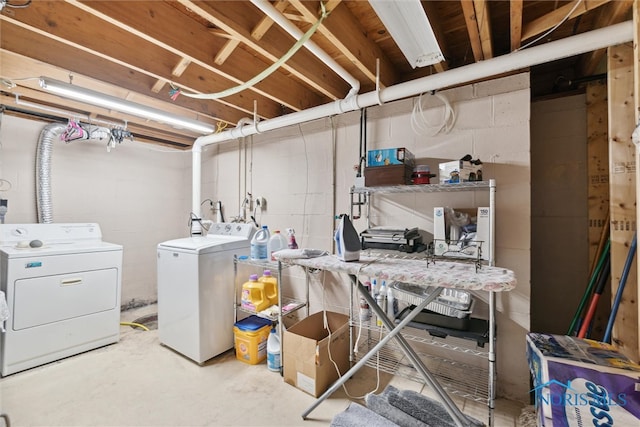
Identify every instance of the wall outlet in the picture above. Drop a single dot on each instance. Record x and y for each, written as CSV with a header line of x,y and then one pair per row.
x,y
261,202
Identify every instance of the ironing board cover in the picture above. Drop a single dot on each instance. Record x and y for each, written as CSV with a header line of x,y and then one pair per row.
x,y
447,274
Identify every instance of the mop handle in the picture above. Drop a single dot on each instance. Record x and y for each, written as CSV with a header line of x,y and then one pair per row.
x,y
573,327
623,281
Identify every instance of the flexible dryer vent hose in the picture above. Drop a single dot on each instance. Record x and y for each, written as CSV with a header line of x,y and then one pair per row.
x,y
44,207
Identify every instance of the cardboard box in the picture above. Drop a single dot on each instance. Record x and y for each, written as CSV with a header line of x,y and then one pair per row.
x,y
582,382
390,156
306,363
387,175
467,245
459,171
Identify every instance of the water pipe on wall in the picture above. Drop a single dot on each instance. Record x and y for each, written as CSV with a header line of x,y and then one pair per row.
x,y
570,46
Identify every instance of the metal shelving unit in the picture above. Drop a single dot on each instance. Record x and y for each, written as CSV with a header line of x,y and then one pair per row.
x,y
470,382
286,305
457,378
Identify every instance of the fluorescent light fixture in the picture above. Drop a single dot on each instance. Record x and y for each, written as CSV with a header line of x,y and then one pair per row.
x,y
98,99
409,26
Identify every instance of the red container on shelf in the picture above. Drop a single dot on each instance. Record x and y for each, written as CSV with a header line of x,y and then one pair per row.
x,y
421,175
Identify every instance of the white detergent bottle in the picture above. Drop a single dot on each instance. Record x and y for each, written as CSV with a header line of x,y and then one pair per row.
x,y
259,244
277,242
273,351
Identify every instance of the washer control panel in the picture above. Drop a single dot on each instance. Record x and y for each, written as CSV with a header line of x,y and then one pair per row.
x,y
232,229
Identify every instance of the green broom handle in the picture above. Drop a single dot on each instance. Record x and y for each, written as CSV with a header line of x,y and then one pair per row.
x,y
587,292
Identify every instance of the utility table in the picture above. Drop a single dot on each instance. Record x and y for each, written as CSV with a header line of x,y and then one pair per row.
x,y
425,273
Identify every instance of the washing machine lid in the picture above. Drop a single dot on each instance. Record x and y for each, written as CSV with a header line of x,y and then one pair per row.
x,y
205,244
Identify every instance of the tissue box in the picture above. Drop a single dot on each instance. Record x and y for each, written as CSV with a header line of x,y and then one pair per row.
x,y
459,171
463,247
582,382
390,156
306,363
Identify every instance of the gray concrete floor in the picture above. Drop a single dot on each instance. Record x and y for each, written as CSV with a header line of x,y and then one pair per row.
x,y
139,382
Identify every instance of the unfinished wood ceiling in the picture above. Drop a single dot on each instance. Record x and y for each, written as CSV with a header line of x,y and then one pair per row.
x,y
144,50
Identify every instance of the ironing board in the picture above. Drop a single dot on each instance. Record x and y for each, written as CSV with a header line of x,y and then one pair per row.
x,y
425,273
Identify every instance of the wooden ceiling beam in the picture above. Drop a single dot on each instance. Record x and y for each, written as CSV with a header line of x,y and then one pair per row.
x,y
346,34
13,66
230,16
551,19
436,25
515,23
65,23
158,23
468,9
484,27
61,56
226,51
614,13
266,22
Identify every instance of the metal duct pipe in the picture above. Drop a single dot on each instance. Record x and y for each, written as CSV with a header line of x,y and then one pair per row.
x,y
564,48
44,207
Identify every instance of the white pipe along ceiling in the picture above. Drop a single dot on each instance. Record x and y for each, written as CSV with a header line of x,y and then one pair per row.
x,y
267,8
570,46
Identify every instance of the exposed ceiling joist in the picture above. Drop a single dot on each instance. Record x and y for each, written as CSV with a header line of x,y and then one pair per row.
x,y
159,51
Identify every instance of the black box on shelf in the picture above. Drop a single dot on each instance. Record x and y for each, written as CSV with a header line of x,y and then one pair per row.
x,y
429,317
387,175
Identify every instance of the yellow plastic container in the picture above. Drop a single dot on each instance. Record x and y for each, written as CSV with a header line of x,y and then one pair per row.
x,y
256,295
270,286
250,337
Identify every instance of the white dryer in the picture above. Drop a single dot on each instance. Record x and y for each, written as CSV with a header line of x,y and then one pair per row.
x,y
196,290
63,296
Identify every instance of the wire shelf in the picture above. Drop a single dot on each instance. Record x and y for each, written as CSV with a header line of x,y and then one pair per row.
x,y
267,265
424,188
459,379
452,343
289,305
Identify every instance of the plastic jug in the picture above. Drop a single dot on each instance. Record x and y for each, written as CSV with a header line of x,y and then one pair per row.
x,y
254,297
273,351
259,245
277,242
270,286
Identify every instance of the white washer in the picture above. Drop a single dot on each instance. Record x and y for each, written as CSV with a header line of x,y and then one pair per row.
x,y
63,297
195,290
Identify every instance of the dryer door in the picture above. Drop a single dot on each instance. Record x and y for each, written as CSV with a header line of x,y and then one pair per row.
x,y
42,300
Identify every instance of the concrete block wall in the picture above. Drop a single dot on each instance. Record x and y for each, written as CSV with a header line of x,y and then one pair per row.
x,y
306,185
139,194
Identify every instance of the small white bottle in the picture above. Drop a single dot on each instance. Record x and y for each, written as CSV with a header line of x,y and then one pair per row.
x,y
276,243
273,351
